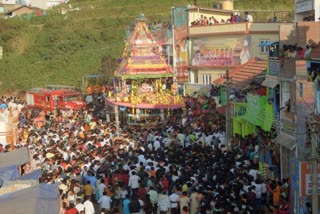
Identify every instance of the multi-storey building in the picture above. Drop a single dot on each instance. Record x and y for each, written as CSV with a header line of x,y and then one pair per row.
x,y
292,87
291,80
217,47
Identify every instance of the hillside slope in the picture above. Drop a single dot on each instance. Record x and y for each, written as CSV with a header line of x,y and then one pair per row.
x,y
61,49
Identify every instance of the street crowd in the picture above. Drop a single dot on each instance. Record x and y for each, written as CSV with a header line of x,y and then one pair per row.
x,y
183,167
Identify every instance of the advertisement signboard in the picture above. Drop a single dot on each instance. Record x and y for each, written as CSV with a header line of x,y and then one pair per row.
x,y
180,44
306,178
221,51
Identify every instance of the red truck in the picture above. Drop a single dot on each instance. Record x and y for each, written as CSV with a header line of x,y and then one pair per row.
x,y
55,97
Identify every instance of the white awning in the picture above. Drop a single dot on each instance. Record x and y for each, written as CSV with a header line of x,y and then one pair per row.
x,y
286,140
269,83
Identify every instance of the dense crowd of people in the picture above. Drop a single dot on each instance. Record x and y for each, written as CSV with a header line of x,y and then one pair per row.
x,y
182,167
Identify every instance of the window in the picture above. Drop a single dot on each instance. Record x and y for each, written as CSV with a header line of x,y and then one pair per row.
x,y
206,79
221,75
264,49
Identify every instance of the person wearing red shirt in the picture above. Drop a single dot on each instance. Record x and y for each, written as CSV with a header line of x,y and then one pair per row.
x,y
165,183
72,209
125,177
142,192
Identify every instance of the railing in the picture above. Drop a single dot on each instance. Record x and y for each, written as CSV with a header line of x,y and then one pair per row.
x,y
274,66
288,122
244,27
218,28
276,123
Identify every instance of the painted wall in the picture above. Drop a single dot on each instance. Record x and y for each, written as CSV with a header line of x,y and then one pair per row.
x,y
229,50
256,39
39,3
221,51
214,73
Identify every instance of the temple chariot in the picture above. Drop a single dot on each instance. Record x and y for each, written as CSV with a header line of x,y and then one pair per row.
x,y
146,91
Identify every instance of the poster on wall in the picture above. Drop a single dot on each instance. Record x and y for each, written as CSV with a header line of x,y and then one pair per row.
x,y
221,51
180,50
306,179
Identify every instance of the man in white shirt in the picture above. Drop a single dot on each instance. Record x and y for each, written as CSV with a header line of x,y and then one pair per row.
x,y
164,202
156,144
63,187
254,173
64,153
105,201
101,186
79,206
247,17
150,146
142,159
88,206
166,141
134,182
174,202
181,138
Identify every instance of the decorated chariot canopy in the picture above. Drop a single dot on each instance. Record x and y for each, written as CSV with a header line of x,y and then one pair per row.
x,y
142,55
145,80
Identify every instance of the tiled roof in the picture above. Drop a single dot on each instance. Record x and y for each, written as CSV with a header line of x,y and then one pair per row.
x,y
243,75
22,6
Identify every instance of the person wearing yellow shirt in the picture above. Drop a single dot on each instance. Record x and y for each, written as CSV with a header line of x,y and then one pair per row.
x,y
184,187
88,190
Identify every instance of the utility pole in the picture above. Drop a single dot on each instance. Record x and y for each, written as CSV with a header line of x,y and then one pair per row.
x,y
314,167
228,114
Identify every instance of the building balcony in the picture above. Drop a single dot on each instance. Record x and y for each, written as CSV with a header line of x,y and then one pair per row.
x,y
274,66
287,122
235,28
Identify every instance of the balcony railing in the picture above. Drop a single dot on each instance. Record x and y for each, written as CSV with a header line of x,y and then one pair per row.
x,y
218,28
288,122
242,27
274,66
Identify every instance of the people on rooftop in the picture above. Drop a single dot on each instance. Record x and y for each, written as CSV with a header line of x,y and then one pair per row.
x,y
211,20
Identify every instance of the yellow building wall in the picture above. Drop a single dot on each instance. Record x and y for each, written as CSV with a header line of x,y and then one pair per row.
x,y
214,73
255,41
